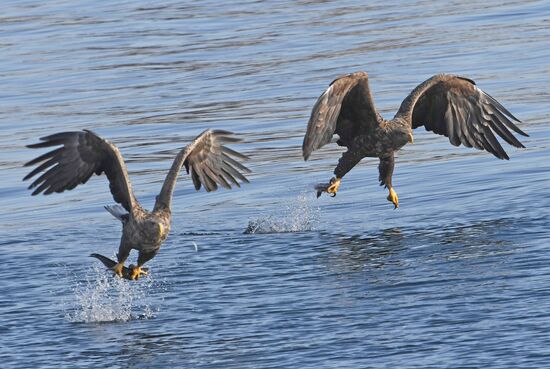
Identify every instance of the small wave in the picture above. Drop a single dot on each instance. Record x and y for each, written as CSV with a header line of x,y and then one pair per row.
x,y
103,298
296,216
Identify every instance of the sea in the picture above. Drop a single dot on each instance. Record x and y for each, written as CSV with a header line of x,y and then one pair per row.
x,y
267,275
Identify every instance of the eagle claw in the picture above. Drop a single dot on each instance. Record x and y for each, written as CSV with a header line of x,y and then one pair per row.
x,y
392,197
331,188
137,272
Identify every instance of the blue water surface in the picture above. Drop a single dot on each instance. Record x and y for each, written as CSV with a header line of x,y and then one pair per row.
x,y
456,277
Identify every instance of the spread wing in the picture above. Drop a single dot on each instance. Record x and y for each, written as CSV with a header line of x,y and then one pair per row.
x,y
346,108
81,155
210,164
455,107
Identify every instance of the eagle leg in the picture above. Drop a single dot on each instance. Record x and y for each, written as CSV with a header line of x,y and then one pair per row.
x,y
330,188
385,168
123,253
348,160
118,268
143,257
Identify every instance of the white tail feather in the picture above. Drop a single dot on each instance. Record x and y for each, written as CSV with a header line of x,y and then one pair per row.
x,y
117,211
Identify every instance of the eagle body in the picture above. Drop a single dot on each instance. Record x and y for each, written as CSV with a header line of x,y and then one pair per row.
x,y
144,232
385,139
448,105
81,154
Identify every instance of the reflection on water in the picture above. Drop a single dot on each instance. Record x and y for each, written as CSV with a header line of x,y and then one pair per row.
x,y
385,257
357,252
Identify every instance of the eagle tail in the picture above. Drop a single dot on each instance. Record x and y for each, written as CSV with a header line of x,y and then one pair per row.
x,y
118,212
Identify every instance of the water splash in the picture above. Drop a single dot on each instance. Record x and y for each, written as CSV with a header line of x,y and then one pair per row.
x,y
296,216
103,298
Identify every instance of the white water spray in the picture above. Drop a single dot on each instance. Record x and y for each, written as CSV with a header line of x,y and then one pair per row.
x,y
101,297
299,214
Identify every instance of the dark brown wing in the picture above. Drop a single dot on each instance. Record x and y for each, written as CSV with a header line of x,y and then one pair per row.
x,y
80,156
346,108
455,107
210,164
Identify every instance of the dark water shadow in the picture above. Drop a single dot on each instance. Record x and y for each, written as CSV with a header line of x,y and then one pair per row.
x,y
408,247
348,254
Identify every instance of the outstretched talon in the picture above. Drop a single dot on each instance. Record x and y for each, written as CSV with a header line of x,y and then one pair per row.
x,y
330,188
137,272
118,269
393,198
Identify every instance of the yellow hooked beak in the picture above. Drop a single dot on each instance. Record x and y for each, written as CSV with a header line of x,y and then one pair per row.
x,y
411,138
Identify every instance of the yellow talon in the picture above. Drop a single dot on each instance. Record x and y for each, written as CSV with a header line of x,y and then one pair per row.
x,y
334,185
137,272
393,198
331,188
118,269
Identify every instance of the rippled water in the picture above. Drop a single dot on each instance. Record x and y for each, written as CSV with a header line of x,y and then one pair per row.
x,y
267,275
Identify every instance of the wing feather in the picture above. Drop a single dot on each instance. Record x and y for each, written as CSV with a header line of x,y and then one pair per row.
x,y
208,156
228,160
228,151
230,174
455,107
345,108
210,164
81,154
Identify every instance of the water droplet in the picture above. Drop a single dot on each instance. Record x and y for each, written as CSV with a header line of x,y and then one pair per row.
x,y
298,215
101,297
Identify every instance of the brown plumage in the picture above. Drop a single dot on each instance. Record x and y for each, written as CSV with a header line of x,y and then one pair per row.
x,y
448,105
84,153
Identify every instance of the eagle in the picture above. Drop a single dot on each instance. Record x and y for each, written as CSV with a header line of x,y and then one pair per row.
x,y
83,153
448,105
